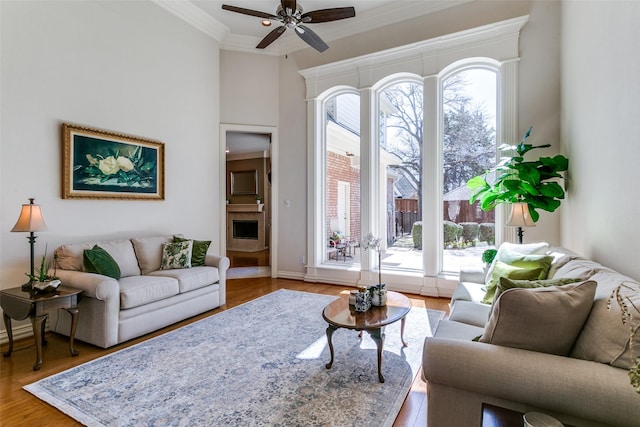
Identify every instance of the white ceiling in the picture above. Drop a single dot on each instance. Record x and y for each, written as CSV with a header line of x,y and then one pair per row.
x,y
236,31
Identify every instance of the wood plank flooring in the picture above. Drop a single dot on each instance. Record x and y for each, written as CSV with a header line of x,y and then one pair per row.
x,y
20,408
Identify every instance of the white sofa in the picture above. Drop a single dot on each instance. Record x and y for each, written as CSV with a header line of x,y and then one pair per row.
x,y
144,299
589,386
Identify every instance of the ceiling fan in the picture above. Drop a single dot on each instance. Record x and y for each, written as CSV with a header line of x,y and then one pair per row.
x,y
291,15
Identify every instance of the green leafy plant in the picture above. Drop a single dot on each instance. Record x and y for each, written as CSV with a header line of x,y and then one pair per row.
x,y
488,256
42,273
534,182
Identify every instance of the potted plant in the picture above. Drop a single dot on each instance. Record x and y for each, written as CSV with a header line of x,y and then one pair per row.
x,y
378,292
42,281
534,182
488,256
258,199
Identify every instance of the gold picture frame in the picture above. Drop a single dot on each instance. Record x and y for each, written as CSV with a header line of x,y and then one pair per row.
x,y
99,164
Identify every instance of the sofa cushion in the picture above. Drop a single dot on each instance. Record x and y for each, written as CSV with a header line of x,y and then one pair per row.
x,y
581,269
71,256
149,252
471,313
468,291
97,260
604,337
546,320
506,283
176,255
523,270
456,330
561,256
139,290
524,249
191,278
199,253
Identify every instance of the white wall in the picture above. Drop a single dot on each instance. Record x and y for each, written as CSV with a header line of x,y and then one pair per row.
x,y
600,114
128,67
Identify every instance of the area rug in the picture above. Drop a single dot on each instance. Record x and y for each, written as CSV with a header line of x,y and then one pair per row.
x,y
258,364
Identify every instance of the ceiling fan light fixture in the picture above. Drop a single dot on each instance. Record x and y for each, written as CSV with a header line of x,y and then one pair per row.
x,y
291,15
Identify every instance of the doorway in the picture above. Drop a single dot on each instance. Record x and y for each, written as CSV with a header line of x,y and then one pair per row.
x,y
248,192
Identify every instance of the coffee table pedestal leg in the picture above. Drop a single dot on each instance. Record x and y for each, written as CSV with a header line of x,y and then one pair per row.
x,y
330,330
378,337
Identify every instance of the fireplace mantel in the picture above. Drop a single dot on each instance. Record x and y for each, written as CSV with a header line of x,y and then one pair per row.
x,y
240,207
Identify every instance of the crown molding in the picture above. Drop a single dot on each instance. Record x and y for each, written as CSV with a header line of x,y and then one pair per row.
x,y
498,40
388,14
196,17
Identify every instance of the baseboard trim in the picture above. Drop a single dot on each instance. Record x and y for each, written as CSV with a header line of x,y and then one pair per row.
x,y
19,332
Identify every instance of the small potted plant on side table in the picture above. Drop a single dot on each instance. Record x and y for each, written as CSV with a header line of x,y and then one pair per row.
x,y
42,281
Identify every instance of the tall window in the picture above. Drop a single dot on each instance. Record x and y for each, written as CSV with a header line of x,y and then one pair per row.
x,y
342,179
451,84
400,174
468,149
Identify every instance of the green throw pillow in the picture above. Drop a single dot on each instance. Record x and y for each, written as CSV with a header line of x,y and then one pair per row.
x,y
199,253
176,255
97,260
506,283
523,270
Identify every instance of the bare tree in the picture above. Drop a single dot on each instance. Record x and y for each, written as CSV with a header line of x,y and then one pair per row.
x,y
406,121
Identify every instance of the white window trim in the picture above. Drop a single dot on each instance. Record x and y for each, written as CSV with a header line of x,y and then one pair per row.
x,y
429,59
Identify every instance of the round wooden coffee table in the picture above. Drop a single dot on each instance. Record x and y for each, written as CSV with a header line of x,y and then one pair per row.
x,y
339,314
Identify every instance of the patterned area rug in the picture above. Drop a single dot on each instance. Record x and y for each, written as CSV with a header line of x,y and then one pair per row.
x,y
258,364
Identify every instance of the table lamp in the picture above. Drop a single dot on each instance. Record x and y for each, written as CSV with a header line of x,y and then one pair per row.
x,y
30,221
519,217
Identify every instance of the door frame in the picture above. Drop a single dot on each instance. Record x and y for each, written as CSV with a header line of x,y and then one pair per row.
x,y
273,235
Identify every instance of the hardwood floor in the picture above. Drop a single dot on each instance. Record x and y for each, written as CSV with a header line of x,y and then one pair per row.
x,y
19,408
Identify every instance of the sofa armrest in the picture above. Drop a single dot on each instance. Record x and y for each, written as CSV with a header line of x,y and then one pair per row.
x,y
566,385
473,275
94,285
221,262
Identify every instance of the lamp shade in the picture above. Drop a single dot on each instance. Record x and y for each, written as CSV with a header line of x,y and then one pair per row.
x,y
30,219
519,216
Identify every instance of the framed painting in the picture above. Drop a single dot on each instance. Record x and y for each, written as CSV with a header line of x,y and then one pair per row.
x,y
99,164
244,183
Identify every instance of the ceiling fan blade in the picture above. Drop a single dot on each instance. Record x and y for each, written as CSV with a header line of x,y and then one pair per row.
x,y
271,37
328,15
311,38
249,12
289,4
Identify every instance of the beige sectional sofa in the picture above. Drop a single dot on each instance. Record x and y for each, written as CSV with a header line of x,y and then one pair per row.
x,y
583,384
144,299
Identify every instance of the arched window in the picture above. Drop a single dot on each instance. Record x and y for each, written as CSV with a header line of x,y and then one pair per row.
x,y
393,137
469,114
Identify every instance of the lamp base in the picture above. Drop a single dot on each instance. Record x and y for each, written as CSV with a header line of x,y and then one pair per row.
x,y
520,234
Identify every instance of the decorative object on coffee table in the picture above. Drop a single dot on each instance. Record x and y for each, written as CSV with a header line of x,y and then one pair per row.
x,y
378,292
363,299
338,315
30,220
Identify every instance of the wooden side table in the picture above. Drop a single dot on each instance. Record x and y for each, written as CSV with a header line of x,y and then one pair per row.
x,y
19,305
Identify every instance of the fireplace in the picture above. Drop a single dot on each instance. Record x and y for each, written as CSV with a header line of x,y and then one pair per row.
x,y
245,229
